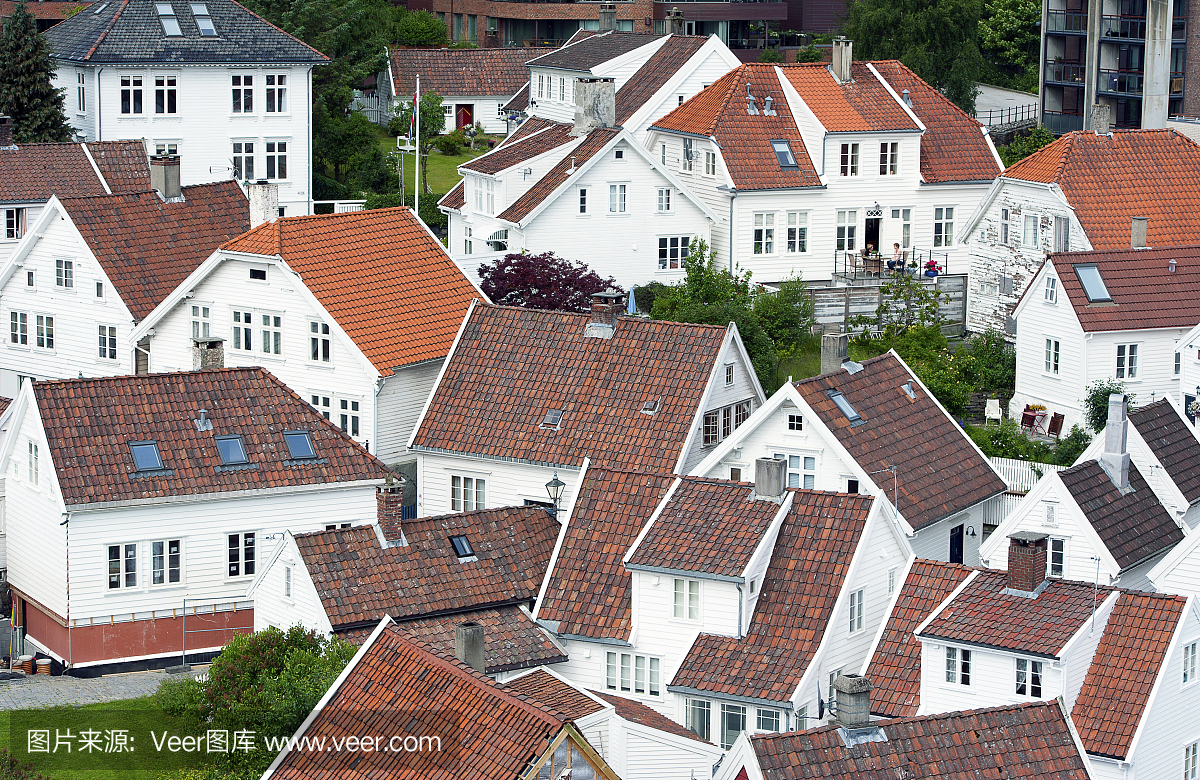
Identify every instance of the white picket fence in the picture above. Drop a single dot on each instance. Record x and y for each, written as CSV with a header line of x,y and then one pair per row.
x,y
1020,475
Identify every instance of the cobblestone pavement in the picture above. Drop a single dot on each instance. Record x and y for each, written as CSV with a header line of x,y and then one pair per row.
x,y
45,691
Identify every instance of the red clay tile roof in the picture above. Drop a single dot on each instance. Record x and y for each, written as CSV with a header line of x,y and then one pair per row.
x,y
359,582
555,695
4,402
1109,179
862,104
384,278
812,554
720,111
541,138
940,472
1145,293
397,687
895,668
586,53
90,422
558,175
31,173
520,100
637,712
711,526
1135,526
1029,741
44,9
953,147
511,640
148,247
589,590
1172,442
654,74
457,72
1126,665
981,614
513,365
455,198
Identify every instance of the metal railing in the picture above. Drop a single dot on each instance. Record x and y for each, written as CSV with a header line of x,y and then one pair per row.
x,y
1005,116
1065,72
1123,27
1066,22
1120,82
853,266
1058,123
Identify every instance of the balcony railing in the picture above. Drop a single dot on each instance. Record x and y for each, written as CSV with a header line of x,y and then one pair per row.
x,y
854,266
1065,72
1123,27
1058,123
1005,116
1120,83
1066,22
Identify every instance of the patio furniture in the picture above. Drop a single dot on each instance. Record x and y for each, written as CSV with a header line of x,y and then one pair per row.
x,y
1033,421
1056,424
992,411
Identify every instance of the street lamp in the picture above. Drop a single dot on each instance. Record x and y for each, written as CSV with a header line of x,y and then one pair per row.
x,y
554,488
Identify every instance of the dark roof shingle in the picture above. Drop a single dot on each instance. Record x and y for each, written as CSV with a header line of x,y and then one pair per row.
x,y
592,145
511,640
1172,442
587,53
654,74
31,173
539,136
1145,292
554,694
637,712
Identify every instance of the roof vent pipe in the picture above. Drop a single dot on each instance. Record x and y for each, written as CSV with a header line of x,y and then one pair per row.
x,y
203,424
1137,232
907,98
1171,265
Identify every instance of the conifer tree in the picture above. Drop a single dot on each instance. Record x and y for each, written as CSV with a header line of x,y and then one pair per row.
x,y
26,92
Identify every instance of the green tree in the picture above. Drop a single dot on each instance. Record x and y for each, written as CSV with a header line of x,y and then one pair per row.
x,y
771,54
433,121
809,53
1010,37
338,138
1095,401
26,92
906,302
787,314
1024,145
421,28
938,39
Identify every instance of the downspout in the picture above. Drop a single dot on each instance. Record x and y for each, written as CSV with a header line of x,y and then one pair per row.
x,y
99,116
741,601
375,412
309,208
67,522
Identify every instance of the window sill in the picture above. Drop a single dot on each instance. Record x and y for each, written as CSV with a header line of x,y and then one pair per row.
x,y
321,366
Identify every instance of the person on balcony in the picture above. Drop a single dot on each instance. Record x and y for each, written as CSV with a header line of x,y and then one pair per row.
x,y
897,261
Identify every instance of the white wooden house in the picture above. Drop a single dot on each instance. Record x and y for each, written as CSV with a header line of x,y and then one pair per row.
x,y
875,429
354,311
74,289
1082,192
209,81
1189,372
1119,314
127,495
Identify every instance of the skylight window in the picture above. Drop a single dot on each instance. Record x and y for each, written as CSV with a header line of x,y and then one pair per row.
x,y
552,419
1093,283
783,153
203,19
843,404
231,450
462,547
99,8
299,445
145,455
166,15
650,407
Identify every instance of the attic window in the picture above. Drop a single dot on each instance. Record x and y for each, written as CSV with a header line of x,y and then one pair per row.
x,y
650,407
231,450
552,419
1093,283
462,547
166,15
258,274
618,154
783,153
299,445
203,19
145,455
99,8
843,404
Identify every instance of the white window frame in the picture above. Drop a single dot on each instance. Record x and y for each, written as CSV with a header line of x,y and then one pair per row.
x,y
673,252
18,328
64,274
477,187
126,566
889,158
583,200
1029,677
43,332
320,342
166,564
242,86
891,579
1004,227
797,232
847,230
617,197
243,158
468,244
848,159
1062,234
81,91
1127,361
270,332
243,559
132,94
737,710
1051,554
1191,760
275,95
958,666
943,226
489,197
664,201
764,233
33,463
688,156
1029,231
467,493
795,422
276,168
799,467
693,710
710,163
288,578
14,223
1191,665
634,673
903,215
685,599
1053,352
107,350
1050,292
772,715
166,94
856,610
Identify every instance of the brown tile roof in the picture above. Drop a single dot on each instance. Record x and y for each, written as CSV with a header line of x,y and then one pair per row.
x,y
589,590
654,74
711,526
90,422
1126,665
953,147
359,582
511,640
44,9
555,695
861,104
940,471
532,144
982,614
720,111
1135,526
455,198
384,278
31,173
637,712
1018,742
812,554
1145,293
398,687
513,365
1109,179
895,668
587,53
558,175
157,244
520,100
1172,442
452,72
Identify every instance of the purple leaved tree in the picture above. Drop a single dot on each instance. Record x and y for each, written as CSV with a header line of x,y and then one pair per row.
x,y
544,281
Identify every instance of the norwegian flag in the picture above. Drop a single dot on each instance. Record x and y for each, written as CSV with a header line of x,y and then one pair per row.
x,y
412,120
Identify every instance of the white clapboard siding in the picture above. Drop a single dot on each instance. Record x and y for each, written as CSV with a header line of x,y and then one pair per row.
x,y
400,402
507,483
722,395
37,542
993,680
653,755
272,607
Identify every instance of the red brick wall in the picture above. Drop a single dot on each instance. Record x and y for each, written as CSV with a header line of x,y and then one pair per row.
x,y
1026,565
389,500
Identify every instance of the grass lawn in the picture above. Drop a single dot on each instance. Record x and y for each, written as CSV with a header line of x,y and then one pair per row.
x,y
443,170
137,716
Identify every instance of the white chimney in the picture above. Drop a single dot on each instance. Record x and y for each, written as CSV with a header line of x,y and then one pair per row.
x,y
164,176
264,202
1115,457
843,55
595,105
770,479
1137,232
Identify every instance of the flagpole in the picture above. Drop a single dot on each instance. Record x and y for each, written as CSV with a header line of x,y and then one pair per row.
x,y
417,167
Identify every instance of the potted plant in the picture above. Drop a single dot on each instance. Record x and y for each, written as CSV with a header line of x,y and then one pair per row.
x,y
932,269
1194,408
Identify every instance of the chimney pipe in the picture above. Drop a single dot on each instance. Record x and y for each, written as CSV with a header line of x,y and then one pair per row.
x,y
595,105
834,351
1115,457
164,176
608,17
853,701
6,132
1137,232
1026,563
264,202
770,479
675,21
468,645
843,55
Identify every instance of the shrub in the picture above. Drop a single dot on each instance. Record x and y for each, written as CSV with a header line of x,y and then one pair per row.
x,y
771,54
645,295
12,769
543,281
809,53
994,362
1071,446
450,144
1095,401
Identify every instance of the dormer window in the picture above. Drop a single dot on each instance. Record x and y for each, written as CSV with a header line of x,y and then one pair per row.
x,y
203,19
462,548
299,444
231,450
145,456
552,419
1093,284
166,15
843,405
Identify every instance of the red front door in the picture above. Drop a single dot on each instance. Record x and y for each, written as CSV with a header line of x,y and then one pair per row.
x,y
463,116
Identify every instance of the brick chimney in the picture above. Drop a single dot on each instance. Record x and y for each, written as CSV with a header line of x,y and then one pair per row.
x,y
595,105
675,21
1026,563
770,479
264,202
608,16
208,352
1114,458
164,175
468,645
6,132
605,308
843,55
853,701
834,351
388,508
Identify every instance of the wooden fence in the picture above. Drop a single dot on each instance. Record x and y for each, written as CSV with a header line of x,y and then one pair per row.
x,y
835,307
1020,475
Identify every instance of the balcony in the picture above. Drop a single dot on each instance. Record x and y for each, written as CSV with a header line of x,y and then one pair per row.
x,y
1065,73
726,10
1123,27
1059,123
1068,22
1120,83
